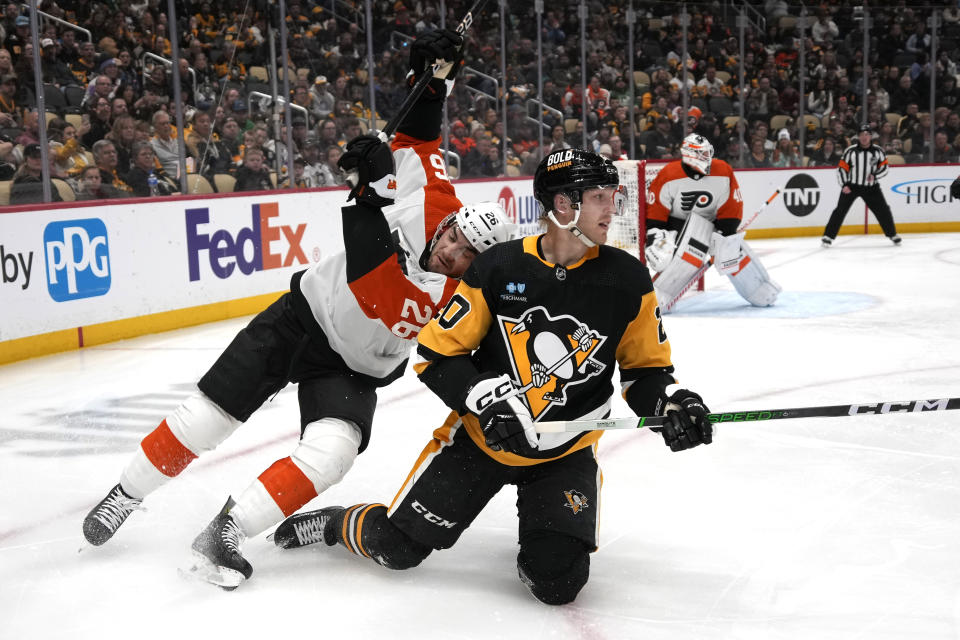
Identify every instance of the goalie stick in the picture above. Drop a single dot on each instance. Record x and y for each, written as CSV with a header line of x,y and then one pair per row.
x,y
706,265
758,415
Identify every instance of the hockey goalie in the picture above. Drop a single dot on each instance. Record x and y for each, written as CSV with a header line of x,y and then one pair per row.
x,y
694,207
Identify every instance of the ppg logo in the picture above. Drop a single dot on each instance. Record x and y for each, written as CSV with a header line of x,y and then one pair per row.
x,y
77,258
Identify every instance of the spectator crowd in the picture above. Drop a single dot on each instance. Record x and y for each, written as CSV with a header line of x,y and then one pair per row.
x,y
110,105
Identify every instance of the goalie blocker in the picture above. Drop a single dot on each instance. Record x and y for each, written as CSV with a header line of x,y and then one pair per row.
x,y
696,195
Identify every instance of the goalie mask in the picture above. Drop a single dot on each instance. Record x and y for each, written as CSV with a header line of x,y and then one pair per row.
x,y
696,152
571,172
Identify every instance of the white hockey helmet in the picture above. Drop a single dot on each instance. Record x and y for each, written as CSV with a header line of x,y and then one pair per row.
x,y
484,224
696,152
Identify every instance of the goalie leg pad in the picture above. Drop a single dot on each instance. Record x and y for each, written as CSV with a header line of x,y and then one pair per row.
x,y
726,252
555,567
692,251
752,281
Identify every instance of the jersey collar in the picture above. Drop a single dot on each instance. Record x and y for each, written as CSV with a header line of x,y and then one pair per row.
x,y
531,245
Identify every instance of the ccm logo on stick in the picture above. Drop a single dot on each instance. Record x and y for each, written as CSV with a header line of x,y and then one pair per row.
x,y
900,407
78,259
227,252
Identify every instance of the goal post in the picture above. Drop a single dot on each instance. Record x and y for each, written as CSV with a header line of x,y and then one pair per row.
x,y
629,231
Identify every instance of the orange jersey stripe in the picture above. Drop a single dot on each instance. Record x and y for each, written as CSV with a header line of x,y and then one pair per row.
x,y
843,165
439,197
165,452
287,485
386,293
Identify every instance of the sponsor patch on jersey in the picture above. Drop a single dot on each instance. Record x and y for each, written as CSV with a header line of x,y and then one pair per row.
x,y
576,501
514,292
549,355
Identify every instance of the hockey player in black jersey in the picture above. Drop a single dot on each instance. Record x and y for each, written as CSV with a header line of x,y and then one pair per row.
x,y
586,307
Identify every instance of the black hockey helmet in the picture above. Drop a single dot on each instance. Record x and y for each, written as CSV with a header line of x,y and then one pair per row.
x,y
570,172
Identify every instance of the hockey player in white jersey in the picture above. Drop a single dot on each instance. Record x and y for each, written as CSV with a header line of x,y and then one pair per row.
x,y
345,328
694,208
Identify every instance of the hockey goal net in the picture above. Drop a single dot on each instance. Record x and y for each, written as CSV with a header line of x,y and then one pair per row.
x,y
628,230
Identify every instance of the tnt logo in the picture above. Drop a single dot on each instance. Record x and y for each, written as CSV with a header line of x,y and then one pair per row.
x,y
77,258
227,253
801,195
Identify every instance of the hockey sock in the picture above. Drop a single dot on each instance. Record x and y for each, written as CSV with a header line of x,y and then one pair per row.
x,y
277,493
161,456
365,530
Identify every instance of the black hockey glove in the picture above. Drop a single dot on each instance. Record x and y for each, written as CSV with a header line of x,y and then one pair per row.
x,y
431,46
506,423
368,163
687,424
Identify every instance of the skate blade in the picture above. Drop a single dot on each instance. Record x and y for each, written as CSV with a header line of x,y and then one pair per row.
x,y
205,571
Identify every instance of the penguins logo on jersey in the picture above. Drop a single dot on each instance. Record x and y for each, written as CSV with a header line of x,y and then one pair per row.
x,y
549,355
691,199
576,501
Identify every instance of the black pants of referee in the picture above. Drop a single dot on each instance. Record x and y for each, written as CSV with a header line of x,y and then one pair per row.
x,y
873,196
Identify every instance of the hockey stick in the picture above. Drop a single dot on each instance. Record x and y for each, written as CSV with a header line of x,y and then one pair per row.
x,y
706,265
760,415
394,123
759,211
352,177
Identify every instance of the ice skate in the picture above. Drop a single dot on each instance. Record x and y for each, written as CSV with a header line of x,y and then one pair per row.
x,y
309,527
896,240
105,518
217,552
826,242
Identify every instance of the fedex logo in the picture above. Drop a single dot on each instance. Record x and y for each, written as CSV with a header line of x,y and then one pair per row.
x,y
77,258
226,252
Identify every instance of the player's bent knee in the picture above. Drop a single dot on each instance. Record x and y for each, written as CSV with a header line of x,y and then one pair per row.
x,y
554,567
200,424
327,451
389,545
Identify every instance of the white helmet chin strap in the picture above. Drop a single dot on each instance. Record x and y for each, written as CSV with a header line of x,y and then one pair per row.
x,y
572,225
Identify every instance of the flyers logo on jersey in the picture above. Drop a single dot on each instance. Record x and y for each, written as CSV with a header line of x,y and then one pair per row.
x,y
691,199
549,355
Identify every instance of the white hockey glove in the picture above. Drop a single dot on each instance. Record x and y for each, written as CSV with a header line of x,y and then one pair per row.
x,y
506,423
584,338
726,252
660,246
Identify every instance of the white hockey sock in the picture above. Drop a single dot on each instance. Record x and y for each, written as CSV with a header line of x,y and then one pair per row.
x,y
140,477
255,511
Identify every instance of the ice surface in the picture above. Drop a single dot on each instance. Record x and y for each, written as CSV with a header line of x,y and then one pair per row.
x,y
816,528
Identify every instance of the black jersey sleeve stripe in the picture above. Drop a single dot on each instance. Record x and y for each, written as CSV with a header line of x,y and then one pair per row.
x,y
366,239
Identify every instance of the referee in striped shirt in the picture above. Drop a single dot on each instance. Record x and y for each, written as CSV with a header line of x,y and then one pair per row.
x,y
860,167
